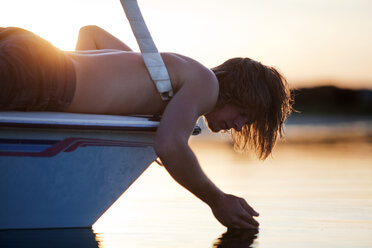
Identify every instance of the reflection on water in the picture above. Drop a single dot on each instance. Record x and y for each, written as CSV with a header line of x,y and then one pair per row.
x,y
308,194
52,238
236,238
85,238
329,129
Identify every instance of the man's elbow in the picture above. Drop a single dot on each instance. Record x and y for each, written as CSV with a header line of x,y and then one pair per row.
x,y
165,148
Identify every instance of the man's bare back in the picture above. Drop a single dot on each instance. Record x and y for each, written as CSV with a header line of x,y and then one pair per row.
x,y
112,79
117,82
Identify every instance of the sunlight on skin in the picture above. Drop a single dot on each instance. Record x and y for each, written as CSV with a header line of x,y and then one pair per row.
x,y
307,40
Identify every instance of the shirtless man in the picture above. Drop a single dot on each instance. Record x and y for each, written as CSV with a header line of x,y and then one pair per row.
x,y
241,95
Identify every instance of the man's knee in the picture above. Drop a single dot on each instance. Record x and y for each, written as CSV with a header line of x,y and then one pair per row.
x,y
87,38
89,29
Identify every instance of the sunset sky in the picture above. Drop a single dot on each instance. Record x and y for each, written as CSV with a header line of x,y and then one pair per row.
x,y
309,41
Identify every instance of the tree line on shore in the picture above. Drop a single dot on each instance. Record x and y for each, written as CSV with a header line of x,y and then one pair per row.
x,y
331,100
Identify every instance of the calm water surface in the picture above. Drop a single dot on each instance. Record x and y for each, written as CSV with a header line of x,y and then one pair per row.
x,y
309,194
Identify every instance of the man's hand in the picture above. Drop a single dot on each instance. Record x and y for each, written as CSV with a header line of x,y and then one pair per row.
x,y
232,211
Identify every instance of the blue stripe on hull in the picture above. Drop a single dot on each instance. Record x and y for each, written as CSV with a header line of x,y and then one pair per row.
x,y
24,148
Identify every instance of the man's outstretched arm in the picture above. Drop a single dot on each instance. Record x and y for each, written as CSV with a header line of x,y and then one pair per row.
x,y
171,145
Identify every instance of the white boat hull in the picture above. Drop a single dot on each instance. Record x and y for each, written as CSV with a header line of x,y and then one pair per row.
x,y
62,175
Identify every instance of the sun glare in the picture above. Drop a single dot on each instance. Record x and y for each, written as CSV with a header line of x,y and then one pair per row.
x,y
308,41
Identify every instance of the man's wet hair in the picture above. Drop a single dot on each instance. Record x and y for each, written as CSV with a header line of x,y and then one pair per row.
x,y
264,92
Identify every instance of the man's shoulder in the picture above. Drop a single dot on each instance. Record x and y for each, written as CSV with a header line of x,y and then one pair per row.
x,y
193,77
183,62
188,69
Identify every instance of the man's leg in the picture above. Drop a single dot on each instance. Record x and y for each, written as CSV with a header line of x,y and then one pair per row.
x,y
93,38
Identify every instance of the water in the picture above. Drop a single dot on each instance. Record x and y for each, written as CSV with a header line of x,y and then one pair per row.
x,y
316,191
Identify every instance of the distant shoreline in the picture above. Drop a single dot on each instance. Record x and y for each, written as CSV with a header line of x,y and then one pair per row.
x,y
352,85
331,100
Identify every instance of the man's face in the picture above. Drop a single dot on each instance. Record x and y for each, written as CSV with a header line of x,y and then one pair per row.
x,y
227,117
